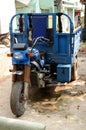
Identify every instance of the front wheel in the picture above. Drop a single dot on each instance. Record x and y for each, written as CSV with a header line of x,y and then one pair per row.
x,y
17,99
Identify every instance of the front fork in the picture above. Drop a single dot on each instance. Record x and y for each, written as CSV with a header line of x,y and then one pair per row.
x,y
22,76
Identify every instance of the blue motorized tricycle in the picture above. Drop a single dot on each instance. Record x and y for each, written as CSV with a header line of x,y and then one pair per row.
x,y
43,54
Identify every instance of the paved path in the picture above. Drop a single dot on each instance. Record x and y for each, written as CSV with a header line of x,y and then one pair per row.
x,y
64,110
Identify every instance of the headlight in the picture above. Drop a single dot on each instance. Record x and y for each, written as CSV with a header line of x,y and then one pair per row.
x,y
18,55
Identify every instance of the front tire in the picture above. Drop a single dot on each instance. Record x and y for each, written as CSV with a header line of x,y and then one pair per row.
x,y
17,99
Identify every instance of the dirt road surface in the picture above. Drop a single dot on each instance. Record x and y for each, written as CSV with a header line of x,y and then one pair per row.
x,y
60,108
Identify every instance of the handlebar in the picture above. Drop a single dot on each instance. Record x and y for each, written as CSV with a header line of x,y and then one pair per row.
x,y
40,39
45,39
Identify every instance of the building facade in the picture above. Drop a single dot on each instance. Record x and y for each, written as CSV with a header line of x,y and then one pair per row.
x,y
71,7
27,6
7,10
74,9
46,6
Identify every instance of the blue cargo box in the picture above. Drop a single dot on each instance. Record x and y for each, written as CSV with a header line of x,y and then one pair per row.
x,y
63,73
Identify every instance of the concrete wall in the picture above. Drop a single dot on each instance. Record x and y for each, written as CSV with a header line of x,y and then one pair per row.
x,y
7,10
32,7
35,6
47,5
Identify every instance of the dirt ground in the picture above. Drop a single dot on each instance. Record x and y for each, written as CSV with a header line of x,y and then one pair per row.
x,y
63,107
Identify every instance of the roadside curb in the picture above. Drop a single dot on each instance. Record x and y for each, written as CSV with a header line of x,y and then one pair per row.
x,y
17,124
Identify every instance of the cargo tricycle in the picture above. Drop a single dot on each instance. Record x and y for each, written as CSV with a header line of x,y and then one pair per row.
x,y
43,55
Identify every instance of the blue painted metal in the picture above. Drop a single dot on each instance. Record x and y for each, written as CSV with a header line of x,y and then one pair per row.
x,y
64,73
62,48
21,37
39,26
23,59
